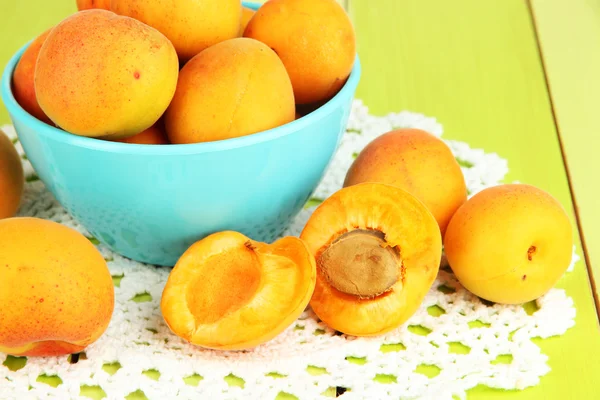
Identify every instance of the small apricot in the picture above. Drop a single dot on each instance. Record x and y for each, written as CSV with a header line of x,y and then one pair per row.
x,y
23,82
154,135
235,88
509,243
417,162
117,83
191,25
229,292
56,292
89,4
12,180
247,14
315,40
378,251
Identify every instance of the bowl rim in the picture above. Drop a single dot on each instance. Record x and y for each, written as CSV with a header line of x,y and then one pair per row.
x,y
49,132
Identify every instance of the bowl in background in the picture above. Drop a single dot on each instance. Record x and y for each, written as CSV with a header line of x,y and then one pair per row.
x,y
151,202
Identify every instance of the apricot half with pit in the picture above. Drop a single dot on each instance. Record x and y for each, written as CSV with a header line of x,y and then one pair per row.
x,y
229,292
377,250
509,243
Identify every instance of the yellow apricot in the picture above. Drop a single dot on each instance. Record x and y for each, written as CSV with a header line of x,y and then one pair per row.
x,y
56,292
236,88
417,162
23,82
191,25
12,180
229,292
247,14
154,135
315,40
103,75
378,251
509,243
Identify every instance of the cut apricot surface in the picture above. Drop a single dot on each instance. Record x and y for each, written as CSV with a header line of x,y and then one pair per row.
x,y
230,292
377,250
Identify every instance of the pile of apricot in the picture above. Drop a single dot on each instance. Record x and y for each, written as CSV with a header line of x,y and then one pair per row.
x,y
148,72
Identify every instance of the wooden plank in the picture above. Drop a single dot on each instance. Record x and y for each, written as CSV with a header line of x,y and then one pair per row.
x,y
569,39
475,66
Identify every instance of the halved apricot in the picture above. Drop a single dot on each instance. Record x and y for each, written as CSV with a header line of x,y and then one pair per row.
x,y
229,292
377,250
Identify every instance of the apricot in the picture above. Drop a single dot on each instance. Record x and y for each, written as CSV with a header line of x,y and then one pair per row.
x,y
154,135
191,25
377,250
315,40
56,292
118,81
509,243
417,162
12,178
23,83
89,4
247,14
235,88
229,292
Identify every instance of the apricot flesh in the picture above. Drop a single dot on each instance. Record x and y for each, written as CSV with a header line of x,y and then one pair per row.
x,y
23,79
509,243
393,261
315,40
417,162
235,88
89,4
117,83
56,292
229,292
12,180
191,25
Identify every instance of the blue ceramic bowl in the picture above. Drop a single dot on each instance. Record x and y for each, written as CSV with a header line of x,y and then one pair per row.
x,y
151,202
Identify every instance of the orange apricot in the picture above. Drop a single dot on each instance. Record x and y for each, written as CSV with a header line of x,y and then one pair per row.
x,y
12,180
315,40
378,250
229,292
89,4
154,135
56,292
191,25
417,162
23,82
118,82
509,243
247,14
237,87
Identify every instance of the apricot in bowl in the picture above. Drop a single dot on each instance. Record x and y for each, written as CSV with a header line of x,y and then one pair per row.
x,y
229,292
377,250
152,202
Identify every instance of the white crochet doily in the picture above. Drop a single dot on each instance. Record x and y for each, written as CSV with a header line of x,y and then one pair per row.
x,y
451,344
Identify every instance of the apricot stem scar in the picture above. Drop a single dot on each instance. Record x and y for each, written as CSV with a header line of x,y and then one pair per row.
x,y
530,252
361,263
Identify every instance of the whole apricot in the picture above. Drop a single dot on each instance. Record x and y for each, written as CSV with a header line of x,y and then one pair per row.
x,y
191,25
509,243
229,292
378,251
247,14
417,162
12,178
23,82
154,135
234,88
89,4
56,292
315,40
103,75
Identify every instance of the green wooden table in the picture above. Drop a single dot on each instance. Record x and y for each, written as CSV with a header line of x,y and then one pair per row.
x,y
518,78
